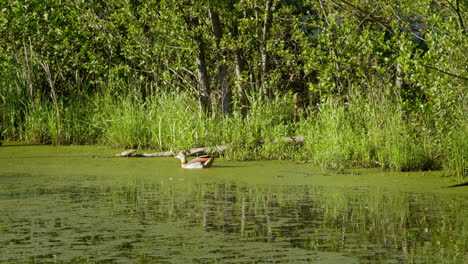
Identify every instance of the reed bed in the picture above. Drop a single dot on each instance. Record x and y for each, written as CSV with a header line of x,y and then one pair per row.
x,y
361,132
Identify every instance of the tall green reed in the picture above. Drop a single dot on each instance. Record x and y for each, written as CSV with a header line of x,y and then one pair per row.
x,y
456,150
363,132
397,142
259,134
366,133
12,105
334,141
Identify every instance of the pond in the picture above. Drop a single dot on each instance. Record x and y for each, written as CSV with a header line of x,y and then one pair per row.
x,y
78,204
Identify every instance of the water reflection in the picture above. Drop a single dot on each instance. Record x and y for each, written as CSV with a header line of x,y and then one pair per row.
x,y
176,221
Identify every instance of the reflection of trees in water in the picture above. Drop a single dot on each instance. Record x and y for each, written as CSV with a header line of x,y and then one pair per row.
x,y
374,225
370,224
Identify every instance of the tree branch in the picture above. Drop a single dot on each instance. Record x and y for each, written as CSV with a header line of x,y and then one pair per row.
x,y
366,14
444,72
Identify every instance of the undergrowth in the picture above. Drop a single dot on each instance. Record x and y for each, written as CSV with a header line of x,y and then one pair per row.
x,y
359,133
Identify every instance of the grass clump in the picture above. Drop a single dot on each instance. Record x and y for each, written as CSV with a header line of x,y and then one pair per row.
x,y
334,141
339,134
456,159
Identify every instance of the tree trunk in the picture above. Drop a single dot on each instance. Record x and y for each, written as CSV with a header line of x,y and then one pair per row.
x,y
203,79
222,68
239,65
267,90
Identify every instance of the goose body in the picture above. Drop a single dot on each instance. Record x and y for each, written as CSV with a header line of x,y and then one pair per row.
x,y
197,163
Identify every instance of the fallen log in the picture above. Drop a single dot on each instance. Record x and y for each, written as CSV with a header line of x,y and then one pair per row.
x,y
157,154
127,153
188,152
207,150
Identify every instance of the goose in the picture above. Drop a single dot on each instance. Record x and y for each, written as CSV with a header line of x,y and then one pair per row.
x,y
197,163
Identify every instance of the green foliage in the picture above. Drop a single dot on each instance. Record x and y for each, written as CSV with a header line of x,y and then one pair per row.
x,y
383,84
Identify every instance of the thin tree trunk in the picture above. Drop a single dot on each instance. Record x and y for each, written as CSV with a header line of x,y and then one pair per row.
x,y
222,67
399,79
203,78
239,64
239,68
460,17
456,9
202,71
267,90
226,94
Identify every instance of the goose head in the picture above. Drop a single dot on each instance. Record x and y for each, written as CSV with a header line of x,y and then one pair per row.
x,y
180,155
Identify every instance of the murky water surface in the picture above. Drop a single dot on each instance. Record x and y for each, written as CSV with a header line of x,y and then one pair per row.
x,y
79,205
